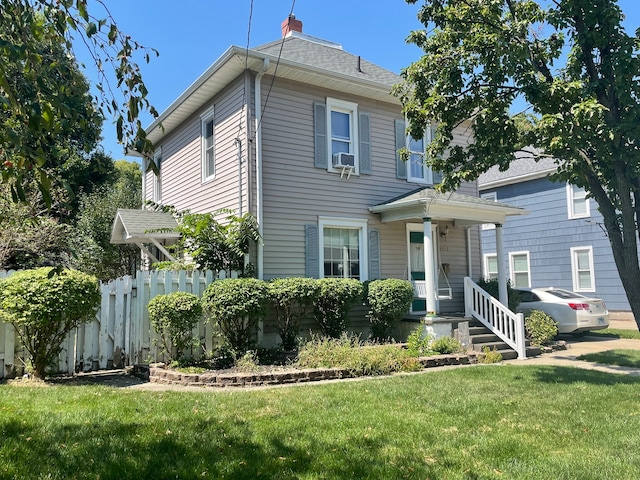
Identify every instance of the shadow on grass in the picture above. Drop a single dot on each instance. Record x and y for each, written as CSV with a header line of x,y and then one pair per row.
x,y
619,357
558,374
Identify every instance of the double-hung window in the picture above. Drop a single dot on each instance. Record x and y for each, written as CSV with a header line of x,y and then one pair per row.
x,y
208,145
343,134
577,202
490,266
418,170
157,177
343,249
520,271
582,269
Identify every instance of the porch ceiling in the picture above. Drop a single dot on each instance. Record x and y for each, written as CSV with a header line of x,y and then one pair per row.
x,y
462,210
143,226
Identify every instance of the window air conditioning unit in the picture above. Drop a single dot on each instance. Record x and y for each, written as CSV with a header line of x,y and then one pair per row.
x,y
344,160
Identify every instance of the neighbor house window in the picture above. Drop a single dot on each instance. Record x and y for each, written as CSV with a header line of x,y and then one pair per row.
x,y
582,269
343,253
520,271
157,178
490,266
418,171
208,145
492,197
343,133
577,202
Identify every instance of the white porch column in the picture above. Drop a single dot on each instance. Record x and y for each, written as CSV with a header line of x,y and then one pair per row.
x,y
428,266
502,274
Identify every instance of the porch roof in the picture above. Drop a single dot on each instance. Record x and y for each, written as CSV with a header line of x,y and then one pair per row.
x,y
462,210
143,226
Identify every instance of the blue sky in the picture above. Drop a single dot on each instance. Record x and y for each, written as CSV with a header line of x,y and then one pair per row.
x,y
191,34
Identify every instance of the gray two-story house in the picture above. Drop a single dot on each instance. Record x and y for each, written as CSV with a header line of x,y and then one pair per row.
x,y
305,136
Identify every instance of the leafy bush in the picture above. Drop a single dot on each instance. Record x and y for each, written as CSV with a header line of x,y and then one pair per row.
x,y
292,299
489,356
388,301
418,342
359,358
44,305
174,316
335,299
492,288
446,345
540,327
235,306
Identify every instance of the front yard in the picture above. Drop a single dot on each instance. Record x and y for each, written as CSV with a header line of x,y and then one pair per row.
x,y
485,422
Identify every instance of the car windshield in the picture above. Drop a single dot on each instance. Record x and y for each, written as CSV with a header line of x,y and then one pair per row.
x,y
565,294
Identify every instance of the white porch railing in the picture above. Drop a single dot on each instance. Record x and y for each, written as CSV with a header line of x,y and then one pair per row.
x,y
507,325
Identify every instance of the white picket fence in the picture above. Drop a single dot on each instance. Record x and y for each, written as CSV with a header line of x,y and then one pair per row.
x,y
120,334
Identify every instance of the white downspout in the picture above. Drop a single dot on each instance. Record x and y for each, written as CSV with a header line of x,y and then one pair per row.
x,y
259,207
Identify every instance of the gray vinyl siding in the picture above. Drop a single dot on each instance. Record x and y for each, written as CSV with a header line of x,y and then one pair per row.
x,y
182,184
548,234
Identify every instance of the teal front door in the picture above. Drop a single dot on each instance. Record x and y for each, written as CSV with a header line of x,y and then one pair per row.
x,y
416,265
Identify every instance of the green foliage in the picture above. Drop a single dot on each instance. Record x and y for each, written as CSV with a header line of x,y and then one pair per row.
x,y
540,327
44,305
235,306
218,245
292,299
173,266
248,362
388,301
571,64
359,358
489,356
174,316
419,342
336,298
446,345
492,288
40,87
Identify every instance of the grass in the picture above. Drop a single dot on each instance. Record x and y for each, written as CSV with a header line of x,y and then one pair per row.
x,y
483,422
620,357
616,333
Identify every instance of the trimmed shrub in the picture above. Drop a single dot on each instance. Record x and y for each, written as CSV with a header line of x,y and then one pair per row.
x,y
173,316
419,342
492,288
489,356
540,327
445,345
388,301
292,299
234,306
44,305
335,299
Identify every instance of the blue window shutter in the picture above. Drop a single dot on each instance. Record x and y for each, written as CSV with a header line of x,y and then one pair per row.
x,y
365,143
312,251
320,134
401,142
374,254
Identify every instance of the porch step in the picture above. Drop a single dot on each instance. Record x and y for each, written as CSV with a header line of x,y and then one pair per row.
x,y
481,337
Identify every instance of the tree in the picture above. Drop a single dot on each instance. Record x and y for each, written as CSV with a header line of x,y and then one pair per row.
x,y
34,86
575,69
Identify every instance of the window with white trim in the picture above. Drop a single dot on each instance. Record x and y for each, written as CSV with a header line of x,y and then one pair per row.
x,y
582,269
343,252
157,177
418,170
519,269
577,202
492,197
208,145
342,128
490,266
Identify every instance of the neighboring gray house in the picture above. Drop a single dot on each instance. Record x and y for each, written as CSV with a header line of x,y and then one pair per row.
x,y
562,242
305,136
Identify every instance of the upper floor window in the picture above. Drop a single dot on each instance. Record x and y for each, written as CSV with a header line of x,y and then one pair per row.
x,y
577,202
157,178
520,269
417,169
492,197
208,145
582,269
343,134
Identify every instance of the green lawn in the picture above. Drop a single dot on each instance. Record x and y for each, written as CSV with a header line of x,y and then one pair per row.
x,y
616,333
620,357
481,422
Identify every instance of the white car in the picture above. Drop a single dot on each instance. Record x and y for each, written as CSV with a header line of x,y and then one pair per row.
x,y
574,313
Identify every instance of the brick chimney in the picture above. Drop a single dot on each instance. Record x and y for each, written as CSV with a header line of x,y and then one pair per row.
x,y
291,24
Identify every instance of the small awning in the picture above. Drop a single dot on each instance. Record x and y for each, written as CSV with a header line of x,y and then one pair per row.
x,y
143,226
462,210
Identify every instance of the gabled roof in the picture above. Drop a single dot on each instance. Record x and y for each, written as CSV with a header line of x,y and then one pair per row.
x,y
298,57
522,169
459,208
141,226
